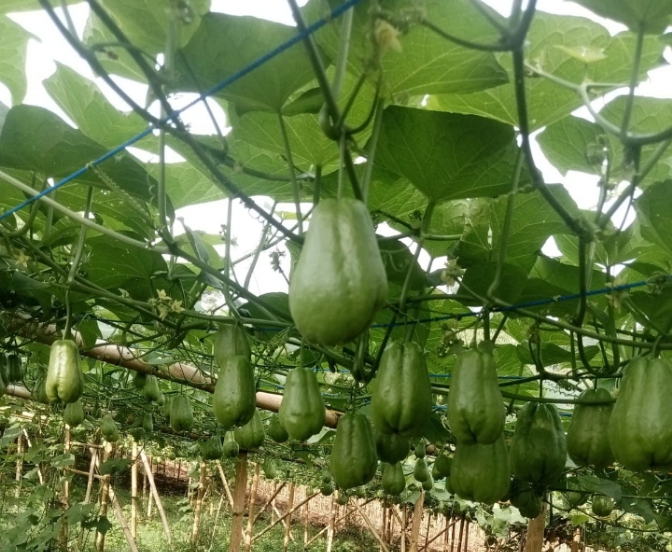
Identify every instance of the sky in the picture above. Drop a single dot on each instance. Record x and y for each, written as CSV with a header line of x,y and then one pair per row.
x,y
52,47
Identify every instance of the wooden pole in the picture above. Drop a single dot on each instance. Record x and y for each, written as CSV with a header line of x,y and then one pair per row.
x,y
225,483
403,527
375,533
429,523
19,465
576,540
282,518
417,521
134,490
65,498
239,502
104,495
459,541
250,515
122,521
290,504
535,532
276,492
199,502
306,513
155,493
466,535
452,536
332,515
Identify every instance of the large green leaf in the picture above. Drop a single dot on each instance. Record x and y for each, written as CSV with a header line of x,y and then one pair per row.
x,y
569,143
113,265
83,102
115,60
654,214
533,222
554,41
35,139
652,16
428,63
447,156
147,23
13,53
225,44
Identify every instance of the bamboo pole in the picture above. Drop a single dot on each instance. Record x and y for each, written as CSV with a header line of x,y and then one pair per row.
x,y
40,477
429,523
403,527
276,492
122,521
65,498
535,532
306,514
104,495
466,535
443,532
290,504
155,493
282,521
459,541
19,465
225,483
576,540
282,518
371,527
240,487
250,515
199,502
134,490
417,521
332,515
214,523
452,536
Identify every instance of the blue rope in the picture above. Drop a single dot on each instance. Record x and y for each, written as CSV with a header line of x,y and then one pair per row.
x,y
202,97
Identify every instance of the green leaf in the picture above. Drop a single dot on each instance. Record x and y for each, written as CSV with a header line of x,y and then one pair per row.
x,y
653,308
478,278
551,40
652,16
147,23
232,43
83,102
13,52
579,519
477,156
112,264
534,221
654,215
35,139
63,460
569,143
428,64
596,484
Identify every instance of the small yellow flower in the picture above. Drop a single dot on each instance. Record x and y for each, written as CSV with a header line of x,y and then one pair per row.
x,y
22,259
161,294
387,37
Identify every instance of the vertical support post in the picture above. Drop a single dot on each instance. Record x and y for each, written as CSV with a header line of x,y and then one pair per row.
x,y
134,490
250,515
239,491
288,520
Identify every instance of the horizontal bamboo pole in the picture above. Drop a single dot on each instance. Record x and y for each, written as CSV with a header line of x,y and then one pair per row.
x,y
119,355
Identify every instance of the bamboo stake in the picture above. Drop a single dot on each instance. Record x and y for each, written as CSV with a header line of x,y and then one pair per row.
x,y
403,528
104,494
199,503
155,493
323,530
282,518
444,532
459,541
276,492
214,524
65,498
452,536
122,521
283,522
227,489
306,509
134,490
576,540
429,523
239,502
366,519
332,515
535,532
19,465
417,521
40,477
150,500
466,536
290,503
250,515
